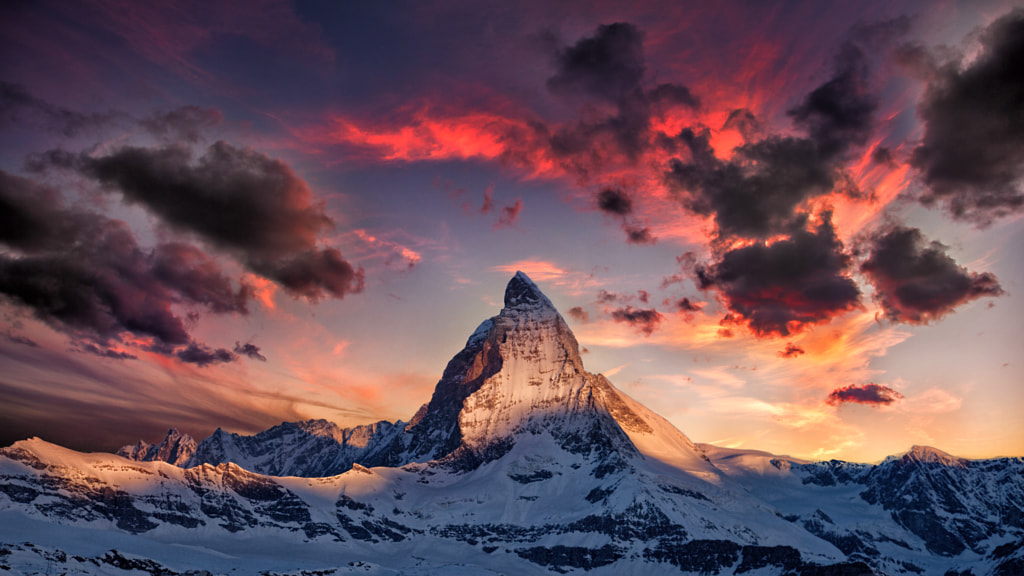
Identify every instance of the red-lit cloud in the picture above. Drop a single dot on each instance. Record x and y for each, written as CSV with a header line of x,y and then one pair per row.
x,y
784,287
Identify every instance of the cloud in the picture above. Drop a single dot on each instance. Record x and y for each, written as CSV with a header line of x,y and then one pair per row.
x,y
198,278
579,314
791,351
614,201
19,106
182,124
871,394
239,200
609,67
390,251
745,122
488,204
916,281
839,113
202,355
85,275
970,156
757,193
645,320
780,288
112,354
32,216
686,305
23,340
639,234
185,123
250,350
509,215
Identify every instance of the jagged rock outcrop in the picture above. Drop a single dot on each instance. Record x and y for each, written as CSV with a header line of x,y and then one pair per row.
x,y
176,448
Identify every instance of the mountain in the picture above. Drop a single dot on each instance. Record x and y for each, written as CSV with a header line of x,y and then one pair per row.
x,y
521,462
176,448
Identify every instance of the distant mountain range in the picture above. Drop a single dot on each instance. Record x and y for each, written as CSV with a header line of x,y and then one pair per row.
x,y
521,463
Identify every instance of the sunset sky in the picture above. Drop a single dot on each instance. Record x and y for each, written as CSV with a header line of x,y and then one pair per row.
x,y
787,226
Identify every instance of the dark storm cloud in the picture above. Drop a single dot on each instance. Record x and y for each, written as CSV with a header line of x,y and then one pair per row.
x,y
19,106
791,351
757,193
840,112
85,275
250,350
609,64
579,314
686,305
614,201
33,218
202,355
972,154
780,288
186,123
916,281
198,278
610,67
239,200
871,394
645,320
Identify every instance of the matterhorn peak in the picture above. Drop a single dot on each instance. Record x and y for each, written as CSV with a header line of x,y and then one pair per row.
x,y
521,375
522,292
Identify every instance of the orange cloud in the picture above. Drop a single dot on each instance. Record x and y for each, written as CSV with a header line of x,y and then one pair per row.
x,y
429,134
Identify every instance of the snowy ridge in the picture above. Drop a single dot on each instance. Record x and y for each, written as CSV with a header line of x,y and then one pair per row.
x,y
521,462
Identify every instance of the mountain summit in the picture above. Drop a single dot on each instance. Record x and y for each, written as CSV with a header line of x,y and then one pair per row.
x,y
521,462
520,372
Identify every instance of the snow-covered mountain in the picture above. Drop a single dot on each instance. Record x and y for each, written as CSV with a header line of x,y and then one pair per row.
x,y
521,463
176,448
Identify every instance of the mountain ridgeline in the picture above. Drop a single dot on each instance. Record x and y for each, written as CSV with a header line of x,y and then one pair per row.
x,y
521,462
